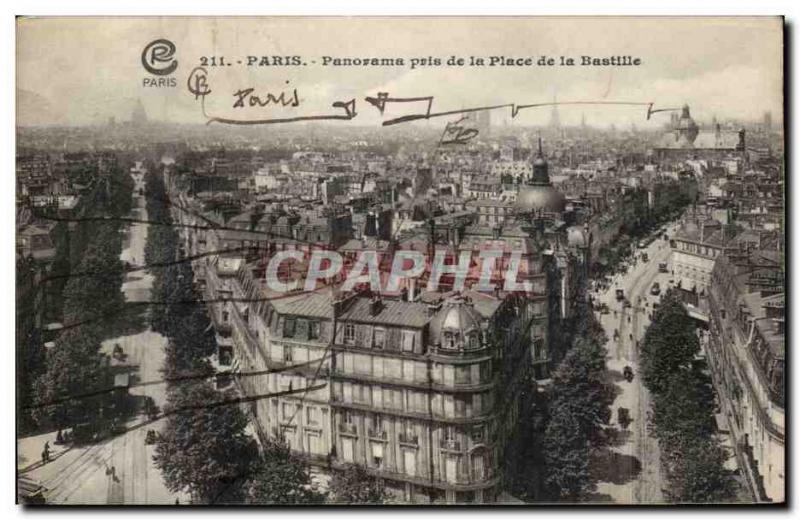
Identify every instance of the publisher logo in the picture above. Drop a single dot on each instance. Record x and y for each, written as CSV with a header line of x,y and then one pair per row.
x,y
158,57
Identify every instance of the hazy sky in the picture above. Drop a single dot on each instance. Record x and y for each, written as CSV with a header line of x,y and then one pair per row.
x,y
84,70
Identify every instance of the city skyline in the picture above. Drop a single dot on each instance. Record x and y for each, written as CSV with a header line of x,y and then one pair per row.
x,y
732,73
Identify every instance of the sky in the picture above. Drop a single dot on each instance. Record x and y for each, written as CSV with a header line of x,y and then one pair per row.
x,y
84,70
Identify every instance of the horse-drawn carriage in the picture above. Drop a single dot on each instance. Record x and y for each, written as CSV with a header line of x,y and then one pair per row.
x,y
623,417
627,372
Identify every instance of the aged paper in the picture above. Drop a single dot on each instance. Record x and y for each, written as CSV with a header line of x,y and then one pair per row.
x,y
400,260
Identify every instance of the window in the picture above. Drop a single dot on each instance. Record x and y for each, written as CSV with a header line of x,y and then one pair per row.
x,y
361,393
301,329
462,374
314,446
313,330
408,341
449,340
288,327
485,371
349,333
225,316
377,453
461,407
410,462
287,354
347,450
379,338
312,415
474,342
286,411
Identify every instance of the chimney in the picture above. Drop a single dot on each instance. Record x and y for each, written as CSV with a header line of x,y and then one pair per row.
x,y
375,306
434,307
371,226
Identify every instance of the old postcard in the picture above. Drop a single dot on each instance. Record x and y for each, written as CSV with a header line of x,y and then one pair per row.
x,y
400,260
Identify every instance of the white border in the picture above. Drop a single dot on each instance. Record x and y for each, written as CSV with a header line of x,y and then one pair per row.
x,y
335,7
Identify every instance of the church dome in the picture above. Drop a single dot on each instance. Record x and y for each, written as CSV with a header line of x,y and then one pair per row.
x,y
457,326
576,237
545,198
539,195
686,128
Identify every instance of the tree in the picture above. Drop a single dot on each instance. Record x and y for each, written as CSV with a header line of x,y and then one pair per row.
x,y
681,412
203,448
670,343
353,485
281,478
579,409
566,455
75,369
581,387
700,475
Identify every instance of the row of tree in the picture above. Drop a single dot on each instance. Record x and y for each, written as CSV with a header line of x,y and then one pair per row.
x,y
683,404
639,215
86,279
204,448
579,409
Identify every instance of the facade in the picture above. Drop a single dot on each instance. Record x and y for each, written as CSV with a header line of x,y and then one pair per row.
x,y
696,246
746,353
411,390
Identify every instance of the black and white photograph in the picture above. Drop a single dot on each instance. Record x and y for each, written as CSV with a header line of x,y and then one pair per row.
x,y
400,261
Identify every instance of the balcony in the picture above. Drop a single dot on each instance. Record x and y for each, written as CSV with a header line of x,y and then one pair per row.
x,y
348,429
451,445
409,440
377,434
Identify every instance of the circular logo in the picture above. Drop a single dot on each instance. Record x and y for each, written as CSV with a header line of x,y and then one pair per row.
x,y
157,57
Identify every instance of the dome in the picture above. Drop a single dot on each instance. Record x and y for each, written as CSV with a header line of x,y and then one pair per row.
x,y
686,128
533,198
576,237
456,326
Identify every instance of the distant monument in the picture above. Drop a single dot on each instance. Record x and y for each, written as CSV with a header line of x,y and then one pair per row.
x,y
138,116
555,120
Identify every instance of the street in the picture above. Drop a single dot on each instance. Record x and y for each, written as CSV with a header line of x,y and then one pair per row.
x,y
631,470
119,470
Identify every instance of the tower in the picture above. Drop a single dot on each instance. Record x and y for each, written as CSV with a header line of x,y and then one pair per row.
x,y
555,120
138,116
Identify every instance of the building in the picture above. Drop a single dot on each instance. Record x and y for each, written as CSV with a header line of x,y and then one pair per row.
x,y
746,354
411,390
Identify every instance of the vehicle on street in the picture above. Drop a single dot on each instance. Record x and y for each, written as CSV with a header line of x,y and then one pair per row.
x,y
645,258
620,294
623,417
655,290
662,267
627,372
151,437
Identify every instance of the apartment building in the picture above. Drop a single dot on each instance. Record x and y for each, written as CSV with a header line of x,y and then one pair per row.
x,y
746,353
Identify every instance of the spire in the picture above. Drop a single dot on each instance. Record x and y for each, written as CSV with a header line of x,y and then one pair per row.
x,y
555,120
540,174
